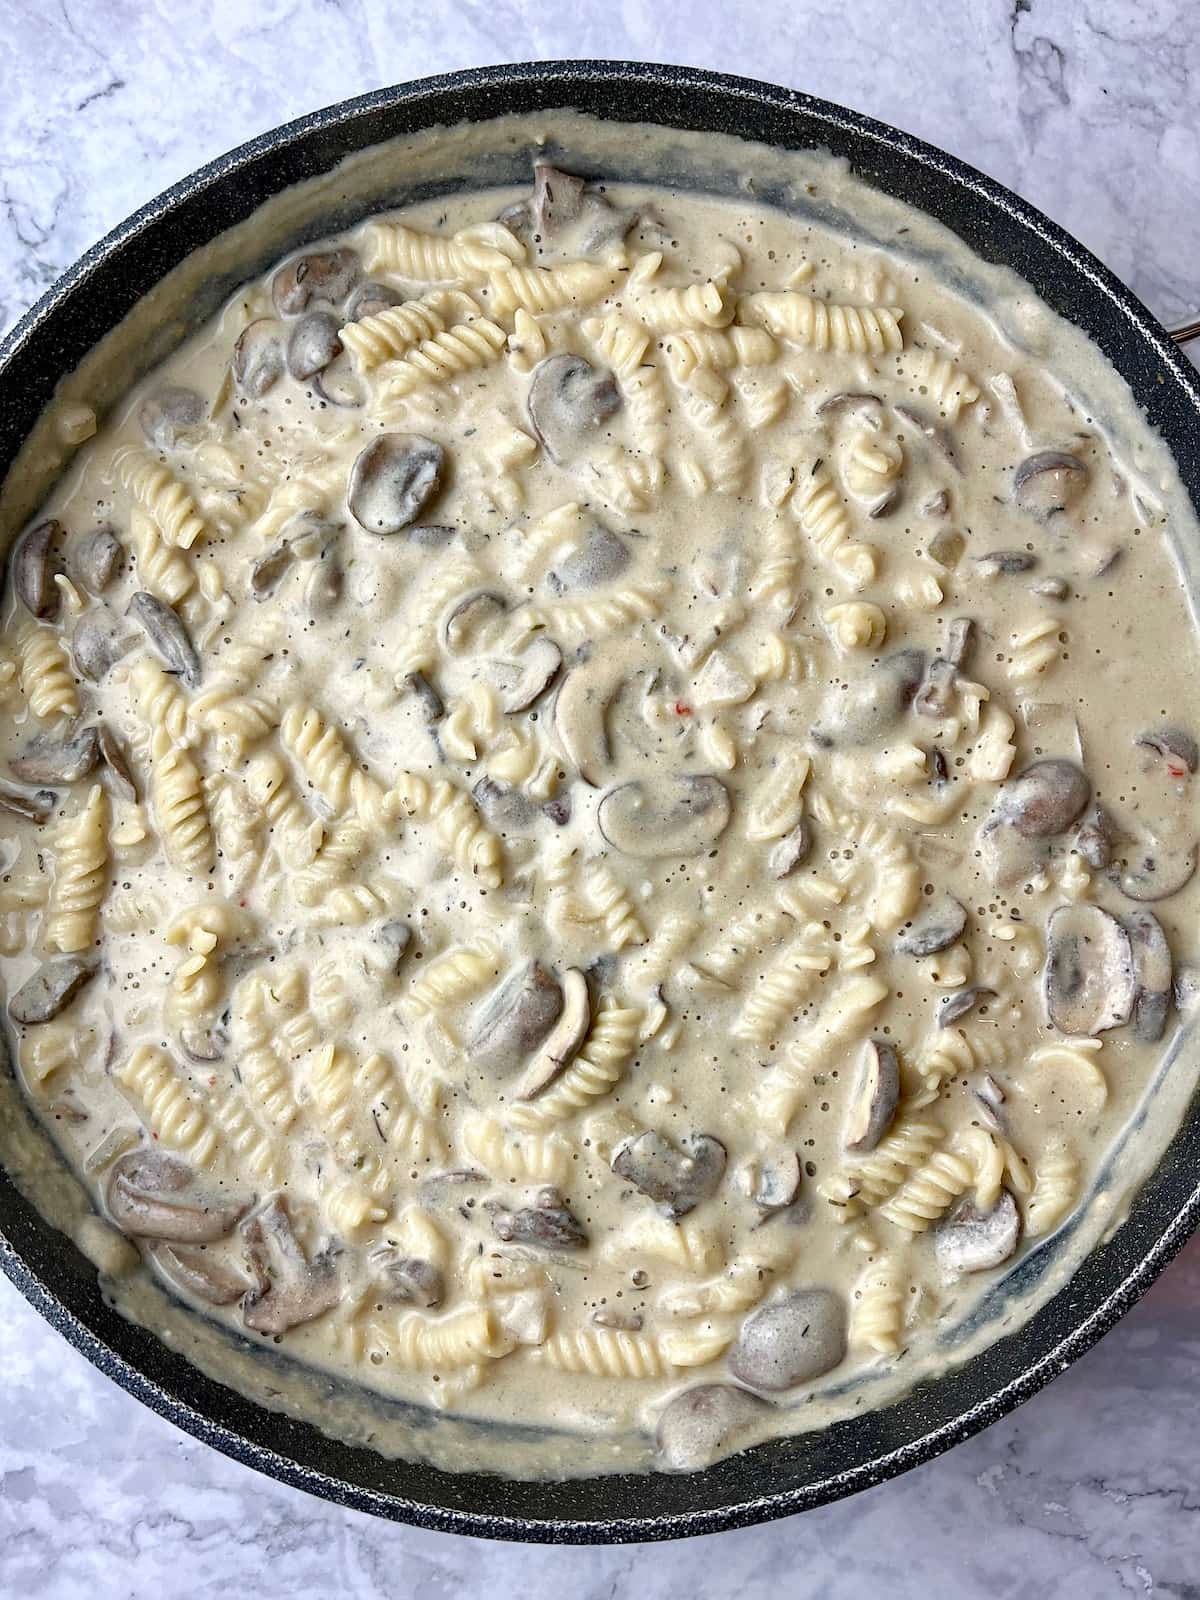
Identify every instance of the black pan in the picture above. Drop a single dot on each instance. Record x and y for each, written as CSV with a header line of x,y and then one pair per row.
x,y
786,1475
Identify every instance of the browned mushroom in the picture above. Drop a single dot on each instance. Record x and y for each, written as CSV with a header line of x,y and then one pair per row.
x,y
1046,799
325,276
940,922
258,358
407,1279
393,480
678,814
792,1340
171,416
873,702
119,773
1005,563
292,1289
547,1223
98,643
33,807
168,636
601,558
514,1020
370,298
957,1005
51,989
1090,981
561,1044
677,1176
569,402
155,1196
1097,837
1049,482
1157,871
269,571
34,564
312,344
1175,746
970,1240
705,1423
1153,974
95,559
791,851
50,760
518,683
200,1272
875,1097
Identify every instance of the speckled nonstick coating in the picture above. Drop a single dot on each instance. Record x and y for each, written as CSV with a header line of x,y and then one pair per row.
x,y
786,1475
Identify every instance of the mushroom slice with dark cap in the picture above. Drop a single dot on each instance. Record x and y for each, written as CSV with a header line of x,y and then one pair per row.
x,y
170,416
393,479
569,402
200,1272
407,1279
292,1289
258,358
874,701
791,1340
33,566
875,1097
168,635
1045,799
1090,979
33,807
48,760
970,1240
1153,972
96,558
98,643
155,1196
548,1224
678,814
677,1176
1049,482
934,928
704,1423
324,276
1175,746
561,1044
514,1020
51,989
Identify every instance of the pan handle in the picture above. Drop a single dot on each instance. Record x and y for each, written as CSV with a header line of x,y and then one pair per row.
x,y
1185,332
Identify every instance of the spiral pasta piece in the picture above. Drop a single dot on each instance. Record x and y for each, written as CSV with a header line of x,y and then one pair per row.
x,y
390,334
173,1117
601,1061
541,289
471,255
46,680
180,813
818,509
160,494
822,325
80,876
464,348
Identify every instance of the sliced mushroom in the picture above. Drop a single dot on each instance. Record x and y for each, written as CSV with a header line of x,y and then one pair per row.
x,y
431,535
873,702
370,298
549,1224
558,810
1009,856
295,1290
934,433
1176,746
96,559
258,358
561,1044
679,814
419,685
326,276
876,1095
569,402
990,1096
519,683
1049,482
957,1005
116,763
154,1196
565,210
1153,973
793,1340
581,712
791,851
407,1279
1157,871
938,925
203,1041
774,1179
393,480
1090,980
960,641
395,936
515,1019
51,989
1005,563
970,1240
938,505
602,558
935,697
1097,837
677,1176
1053,589
171,416
269,571
468,616
34,564
312,344
505,809
168,636
98,643
200,1272
33,807
705,1423
48,760
1046,799
847,400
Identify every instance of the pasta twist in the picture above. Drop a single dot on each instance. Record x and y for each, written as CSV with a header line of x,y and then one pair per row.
x,y
778,575
318,883
660,957
161,703
820,325
540,289
465,970
253,1149
929,1193
52,1048
519,1157
464,348
161,496
173,1117
726,464
177,796
264,1072
690,348
818,508
299,834
755,930
782,986
596,618
601,1061
953,1053
877,1318
936,377
46,680
327,763
897,878
622,343
334,1081
564,525
471,255
392,333
1034,650
350,1208
873,466
162,569
440,1344
614,908
779,803
1055,1189
857,625
196,984
778,1094
236,721
476,850
697,305
80,876
605,1353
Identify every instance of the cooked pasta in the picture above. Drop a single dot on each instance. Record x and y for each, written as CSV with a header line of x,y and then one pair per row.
x,y
172,1115
80,876
820,325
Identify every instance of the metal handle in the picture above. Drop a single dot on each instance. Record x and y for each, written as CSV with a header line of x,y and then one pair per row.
x,y
1185,332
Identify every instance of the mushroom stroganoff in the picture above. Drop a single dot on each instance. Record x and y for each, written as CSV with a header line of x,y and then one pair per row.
x,y
598,809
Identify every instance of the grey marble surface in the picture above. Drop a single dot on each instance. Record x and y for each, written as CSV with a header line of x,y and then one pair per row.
x,y
1090,108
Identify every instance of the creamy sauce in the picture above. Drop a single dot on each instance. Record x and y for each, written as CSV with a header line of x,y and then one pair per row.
x,y
668,723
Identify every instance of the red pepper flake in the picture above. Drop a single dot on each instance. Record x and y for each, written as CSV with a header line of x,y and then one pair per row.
x,y
154,1136
1176,771
681,710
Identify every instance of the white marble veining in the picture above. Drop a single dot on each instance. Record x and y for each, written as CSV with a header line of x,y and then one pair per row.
x,y
1091,108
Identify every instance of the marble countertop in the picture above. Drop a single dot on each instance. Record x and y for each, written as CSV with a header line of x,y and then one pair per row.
x,y
1090,109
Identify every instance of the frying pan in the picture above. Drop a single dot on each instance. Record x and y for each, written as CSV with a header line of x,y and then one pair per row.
x,y
783,1475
